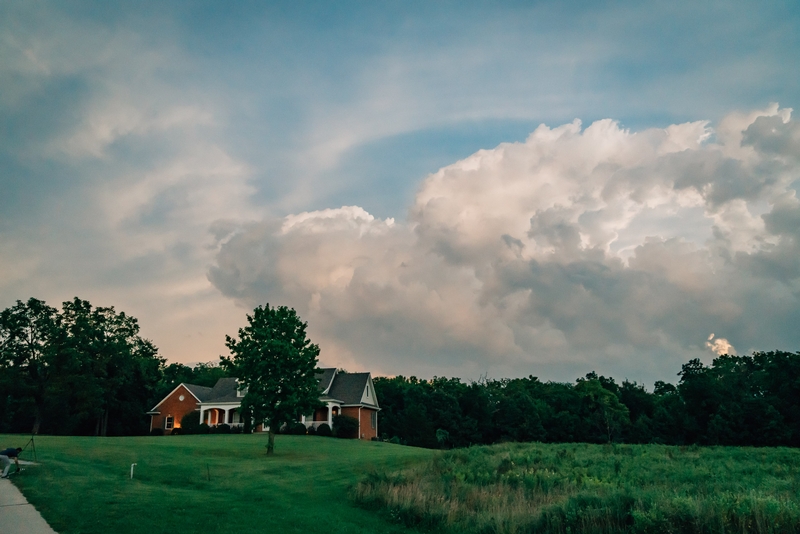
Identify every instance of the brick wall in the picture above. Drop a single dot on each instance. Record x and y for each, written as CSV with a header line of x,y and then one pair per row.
x,y
173,406
366,432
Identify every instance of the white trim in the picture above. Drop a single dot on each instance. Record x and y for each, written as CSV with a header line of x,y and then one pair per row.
x,y
173,391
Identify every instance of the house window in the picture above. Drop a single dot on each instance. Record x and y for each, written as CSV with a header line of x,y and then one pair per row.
x,y
373,418
169,422
367,391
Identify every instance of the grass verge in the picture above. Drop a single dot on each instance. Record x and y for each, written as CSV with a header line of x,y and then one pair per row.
x,y
515,488
211,483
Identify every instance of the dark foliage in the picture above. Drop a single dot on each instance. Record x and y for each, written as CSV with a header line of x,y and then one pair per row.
x,y
737,400
294,429
345,426
81,370
324,430
190,423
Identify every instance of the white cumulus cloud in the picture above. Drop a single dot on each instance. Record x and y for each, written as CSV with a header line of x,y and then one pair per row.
x,y
579,248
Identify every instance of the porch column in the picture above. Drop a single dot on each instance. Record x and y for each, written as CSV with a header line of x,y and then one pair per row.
x,y
202,413
330,415
227,415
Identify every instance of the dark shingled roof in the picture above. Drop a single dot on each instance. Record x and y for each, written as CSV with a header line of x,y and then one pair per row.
x,y
349,387
224,391
201,392
346,388
325,376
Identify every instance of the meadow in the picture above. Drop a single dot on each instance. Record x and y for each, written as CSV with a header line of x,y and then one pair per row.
x,y
209,483
582,488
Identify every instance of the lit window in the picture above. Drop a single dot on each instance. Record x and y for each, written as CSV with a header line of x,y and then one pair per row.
x,y
374,419
169,422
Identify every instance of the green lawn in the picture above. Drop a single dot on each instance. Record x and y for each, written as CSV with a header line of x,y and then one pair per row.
x,y
211,483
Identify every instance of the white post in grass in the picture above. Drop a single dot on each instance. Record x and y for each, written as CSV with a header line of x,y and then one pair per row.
x,y
132,471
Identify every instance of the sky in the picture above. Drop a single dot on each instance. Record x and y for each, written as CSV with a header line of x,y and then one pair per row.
x,y
471,189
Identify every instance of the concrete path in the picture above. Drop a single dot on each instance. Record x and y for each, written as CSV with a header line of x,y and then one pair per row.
x,y
17,516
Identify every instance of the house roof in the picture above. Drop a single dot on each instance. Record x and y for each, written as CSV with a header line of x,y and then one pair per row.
x,y
325,377
223,391
344,388
349,387
201,392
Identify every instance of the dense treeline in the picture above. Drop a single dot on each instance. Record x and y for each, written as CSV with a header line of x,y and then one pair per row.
x,y
737,400
82,370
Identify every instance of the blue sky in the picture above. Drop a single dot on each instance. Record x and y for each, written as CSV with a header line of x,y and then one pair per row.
x,y
151,153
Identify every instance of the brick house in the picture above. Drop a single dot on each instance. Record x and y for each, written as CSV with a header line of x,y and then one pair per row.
x,y
350,394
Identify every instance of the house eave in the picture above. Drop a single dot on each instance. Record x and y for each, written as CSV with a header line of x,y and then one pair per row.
x,y
173,391
362,405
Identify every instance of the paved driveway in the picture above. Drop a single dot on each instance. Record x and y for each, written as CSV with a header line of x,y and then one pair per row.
x,y
16,515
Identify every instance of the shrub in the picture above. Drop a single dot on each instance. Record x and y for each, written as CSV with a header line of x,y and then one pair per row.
x,y
203,428
295,429
324,430
236,429
190,423
157,432
222,429
311,431
345,426
177,431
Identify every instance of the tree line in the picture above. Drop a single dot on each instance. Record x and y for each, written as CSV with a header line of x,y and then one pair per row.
x,y
82,370
737,400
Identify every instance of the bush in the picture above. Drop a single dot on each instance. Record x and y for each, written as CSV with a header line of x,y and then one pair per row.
x,y
224,428
311,431
345,426
203,428
177,431
324,430
190,423
236,429
157,432
293,429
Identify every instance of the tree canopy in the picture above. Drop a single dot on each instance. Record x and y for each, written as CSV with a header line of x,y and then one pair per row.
x,y
83,370
276,363
737,400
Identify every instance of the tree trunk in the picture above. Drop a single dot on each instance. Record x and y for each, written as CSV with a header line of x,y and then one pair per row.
x,y
104,427
37,422
271,441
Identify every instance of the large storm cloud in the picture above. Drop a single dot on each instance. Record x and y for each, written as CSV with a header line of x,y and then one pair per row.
x,y
578,249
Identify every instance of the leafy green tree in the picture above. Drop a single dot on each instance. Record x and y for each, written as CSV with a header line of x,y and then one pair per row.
x,y
106,368
276,363
28,345
602,410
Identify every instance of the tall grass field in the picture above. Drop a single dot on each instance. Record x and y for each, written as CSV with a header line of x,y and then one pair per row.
x,y
581,488
208,483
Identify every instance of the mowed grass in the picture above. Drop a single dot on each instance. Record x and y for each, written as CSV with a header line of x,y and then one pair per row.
x,y
571,488
209,483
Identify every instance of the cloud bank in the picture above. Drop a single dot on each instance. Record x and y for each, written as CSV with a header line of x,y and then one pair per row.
x,y
577,249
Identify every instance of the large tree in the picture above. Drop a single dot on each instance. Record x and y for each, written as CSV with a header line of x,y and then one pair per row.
x,y
29,338
79,371
276,363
